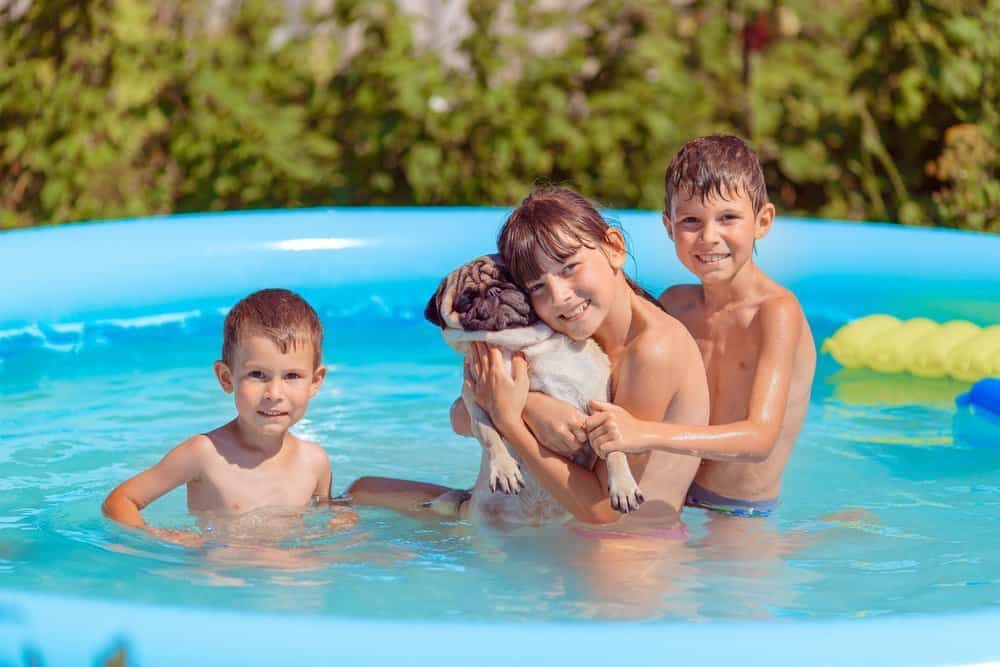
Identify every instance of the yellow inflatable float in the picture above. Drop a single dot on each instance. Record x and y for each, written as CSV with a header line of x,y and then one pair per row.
x,y
920,346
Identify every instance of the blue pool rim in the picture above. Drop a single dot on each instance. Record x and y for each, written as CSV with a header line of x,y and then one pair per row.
x,y
80,272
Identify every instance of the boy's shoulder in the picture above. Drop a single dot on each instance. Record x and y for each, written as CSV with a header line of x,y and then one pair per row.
x,y
780,304
192,455
781,318
311,453
200,445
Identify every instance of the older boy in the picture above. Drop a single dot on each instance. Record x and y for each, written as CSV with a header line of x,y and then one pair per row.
x,y
271,350
754,338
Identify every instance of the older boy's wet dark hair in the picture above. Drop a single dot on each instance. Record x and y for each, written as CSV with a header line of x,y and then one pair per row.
x,y
557,222
278,314
720,165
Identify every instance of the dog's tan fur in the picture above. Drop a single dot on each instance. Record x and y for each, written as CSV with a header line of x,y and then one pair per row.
x,y
572,371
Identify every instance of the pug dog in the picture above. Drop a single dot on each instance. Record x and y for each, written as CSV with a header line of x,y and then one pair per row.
x,y
480,302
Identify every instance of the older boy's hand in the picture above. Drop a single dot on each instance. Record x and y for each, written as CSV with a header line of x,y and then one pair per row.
x,y
612,429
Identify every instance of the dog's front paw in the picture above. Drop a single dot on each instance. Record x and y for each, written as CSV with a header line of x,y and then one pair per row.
x,y
505,476
626,496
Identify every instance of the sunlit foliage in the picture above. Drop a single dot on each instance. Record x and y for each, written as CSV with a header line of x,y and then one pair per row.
x,y
881,110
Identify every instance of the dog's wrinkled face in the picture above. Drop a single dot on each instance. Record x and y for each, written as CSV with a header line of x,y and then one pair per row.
x,y
480,296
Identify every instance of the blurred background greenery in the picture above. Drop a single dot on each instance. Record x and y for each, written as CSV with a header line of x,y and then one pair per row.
x,y
859,109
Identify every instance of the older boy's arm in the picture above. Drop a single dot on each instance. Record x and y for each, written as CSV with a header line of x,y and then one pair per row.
x,y
178,467
749,440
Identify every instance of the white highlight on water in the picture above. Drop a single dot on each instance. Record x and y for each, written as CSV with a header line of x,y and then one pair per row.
x,y
151,320
330,243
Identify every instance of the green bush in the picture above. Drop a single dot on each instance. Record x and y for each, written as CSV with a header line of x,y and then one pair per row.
x,y
863,110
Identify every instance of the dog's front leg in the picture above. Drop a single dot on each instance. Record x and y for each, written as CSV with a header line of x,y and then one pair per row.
x,y
626,496
505,473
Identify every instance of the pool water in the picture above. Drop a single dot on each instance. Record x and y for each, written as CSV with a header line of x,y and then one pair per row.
x,y
883,512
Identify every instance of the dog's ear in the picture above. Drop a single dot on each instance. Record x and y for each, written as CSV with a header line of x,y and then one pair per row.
x,y
432,313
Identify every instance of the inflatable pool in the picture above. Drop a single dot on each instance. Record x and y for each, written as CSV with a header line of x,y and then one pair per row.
x,y
884,550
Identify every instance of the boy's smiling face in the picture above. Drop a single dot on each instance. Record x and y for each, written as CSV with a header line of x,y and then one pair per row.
x,y
272,388
714,237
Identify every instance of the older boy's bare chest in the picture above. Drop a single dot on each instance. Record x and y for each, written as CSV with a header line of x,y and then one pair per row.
x,y
730,347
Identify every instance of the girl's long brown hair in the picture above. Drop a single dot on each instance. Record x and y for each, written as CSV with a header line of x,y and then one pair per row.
x,y
557,222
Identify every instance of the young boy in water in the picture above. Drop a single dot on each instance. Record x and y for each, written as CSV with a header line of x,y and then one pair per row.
x,y
271,363
753,336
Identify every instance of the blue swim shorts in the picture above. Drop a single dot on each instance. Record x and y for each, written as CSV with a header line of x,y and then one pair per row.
x,y
699,496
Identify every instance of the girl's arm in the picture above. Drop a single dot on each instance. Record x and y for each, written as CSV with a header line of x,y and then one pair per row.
x,y
661,377
749,440
179,466
461,422
503,396
557,425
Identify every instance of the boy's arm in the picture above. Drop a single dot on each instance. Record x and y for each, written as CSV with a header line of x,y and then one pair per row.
x,y
179,466
342,517
748,440
324,474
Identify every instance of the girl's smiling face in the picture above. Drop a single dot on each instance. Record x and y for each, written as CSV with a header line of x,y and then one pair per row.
x,y
574,295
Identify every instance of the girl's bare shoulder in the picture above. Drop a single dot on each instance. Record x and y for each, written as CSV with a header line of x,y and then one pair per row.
x,y
662,342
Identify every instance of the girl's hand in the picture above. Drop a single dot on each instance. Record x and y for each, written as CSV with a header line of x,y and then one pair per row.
x,y
500,394
557,426
612,429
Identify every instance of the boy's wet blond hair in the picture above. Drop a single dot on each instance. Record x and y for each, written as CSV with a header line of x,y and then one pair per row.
x,y
281,315
720,165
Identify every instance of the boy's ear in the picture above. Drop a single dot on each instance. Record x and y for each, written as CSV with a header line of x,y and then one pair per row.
x,y
318,376
615,241
224,376
764,221
666,223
